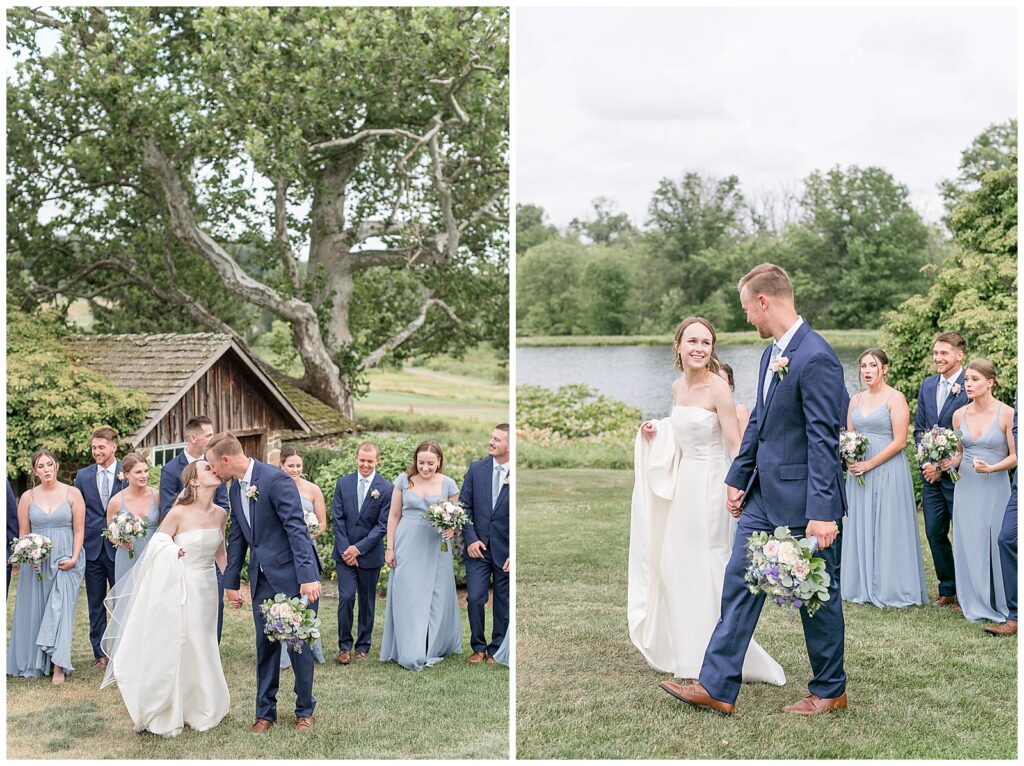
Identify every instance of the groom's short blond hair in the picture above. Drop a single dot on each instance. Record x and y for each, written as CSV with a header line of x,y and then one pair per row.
x,y
222,444
768,279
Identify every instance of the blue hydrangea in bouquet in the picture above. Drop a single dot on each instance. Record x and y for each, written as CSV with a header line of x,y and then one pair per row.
x,y
786,570
290,621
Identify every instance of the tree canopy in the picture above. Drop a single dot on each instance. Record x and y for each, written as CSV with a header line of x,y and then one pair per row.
x,y
343,169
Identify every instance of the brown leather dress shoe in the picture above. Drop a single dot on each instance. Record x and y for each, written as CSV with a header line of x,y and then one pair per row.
x,y
945,601
812,704
303,722
343,658
1008,628
261,726
476,658
489,660
695,695
957,609
361,655
100,662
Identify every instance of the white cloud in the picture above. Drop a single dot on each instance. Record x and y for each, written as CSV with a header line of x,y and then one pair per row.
x,y
610,100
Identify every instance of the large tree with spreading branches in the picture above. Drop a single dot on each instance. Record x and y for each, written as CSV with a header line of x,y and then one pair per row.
x,y
344,169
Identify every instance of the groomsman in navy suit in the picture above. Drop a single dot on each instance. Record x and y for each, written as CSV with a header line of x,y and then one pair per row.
x,y
362,500
12,526
484,494
1008,554
787,473
198,431
98,483
940,396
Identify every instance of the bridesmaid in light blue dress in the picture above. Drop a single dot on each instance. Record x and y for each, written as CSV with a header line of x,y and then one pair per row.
x,y
137,498
501,656
980,497
881,554
44,612
312,499
422,624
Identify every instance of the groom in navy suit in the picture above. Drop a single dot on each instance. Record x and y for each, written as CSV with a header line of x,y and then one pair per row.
x,y
198,431
484,494
787,473
267,521
362,500
98,483
940,396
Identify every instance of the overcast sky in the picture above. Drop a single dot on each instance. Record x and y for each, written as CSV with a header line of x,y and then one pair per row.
x,y
608,101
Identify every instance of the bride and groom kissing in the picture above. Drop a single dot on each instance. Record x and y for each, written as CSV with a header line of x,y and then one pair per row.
x,y
690,610
162,633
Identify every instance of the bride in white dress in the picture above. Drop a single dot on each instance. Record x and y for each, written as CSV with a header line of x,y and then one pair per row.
x,y
680,531
162,634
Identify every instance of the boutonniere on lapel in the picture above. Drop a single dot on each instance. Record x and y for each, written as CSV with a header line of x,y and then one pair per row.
x,y
955,389
253,493
375,494
780,367
509,476
120,475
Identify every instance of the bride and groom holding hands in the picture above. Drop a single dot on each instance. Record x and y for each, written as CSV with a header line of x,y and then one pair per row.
x,y
162,633
703,488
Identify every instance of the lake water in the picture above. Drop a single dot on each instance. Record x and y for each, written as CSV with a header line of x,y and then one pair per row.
x,y
642,375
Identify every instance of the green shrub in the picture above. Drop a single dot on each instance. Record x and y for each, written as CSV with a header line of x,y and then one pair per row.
x,y
573,411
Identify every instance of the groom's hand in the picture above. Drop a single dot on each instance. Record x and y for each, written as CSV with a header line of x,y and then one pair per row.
x,y
234,598
311,590
734,502
825,531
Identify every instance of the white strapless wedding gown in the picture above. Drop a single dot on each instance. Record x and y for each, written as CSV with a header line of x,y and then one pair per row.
x,y
162,636
680,541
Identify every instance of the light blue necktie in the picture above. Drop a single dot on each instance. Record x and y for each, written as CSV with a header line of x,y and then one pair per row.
x,y
244,487
776,353
499,472
944,387
362,491
104,487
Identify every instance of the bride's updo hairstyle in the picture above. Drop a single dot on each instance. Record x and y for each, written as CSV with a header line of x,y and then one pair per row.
x,y
188,493
426,446
713,363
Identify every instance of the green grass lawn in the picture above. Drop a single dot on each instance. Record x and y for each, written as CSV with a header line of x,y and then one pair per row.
x,y
922,683
858,339
369,709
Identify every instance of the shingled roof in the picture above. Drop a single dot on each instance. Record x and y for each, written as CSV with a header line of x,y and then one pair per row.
x,y
166,365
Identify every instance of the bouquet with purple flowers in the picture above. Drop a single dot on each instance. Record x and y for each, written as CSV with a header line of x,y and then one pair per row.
x,y
290,621
786,571
125,528
853,446
446,515
30,549
938,444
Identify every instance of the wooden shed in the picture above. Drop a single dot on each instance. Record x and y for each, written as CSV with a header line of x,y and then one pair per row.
x,y
201,373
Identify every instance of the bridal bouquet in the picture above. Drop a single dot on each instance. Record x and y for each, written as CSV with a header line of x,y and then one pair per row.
x,y
786,571
312,524
290,621
938,444
446,515
853,446
125,528
30,549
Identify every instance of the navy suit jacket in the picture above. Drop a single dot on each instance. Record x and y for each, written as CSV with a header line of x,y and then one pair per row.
x,y
170,485
278,541
13,527
95,511
926,417
486,525
791,445
364,526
